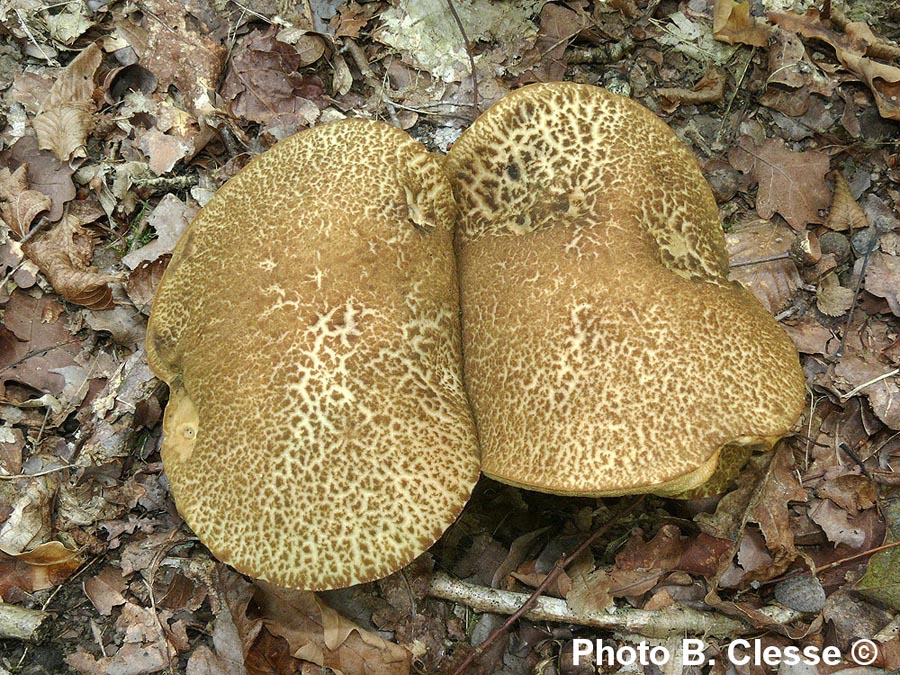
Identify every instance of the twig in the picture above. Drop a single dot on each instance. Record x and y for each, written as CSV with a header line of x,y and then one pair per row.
x,y
853,392
759,261
468,45
46,472
873,242
833,564
18,623
560,565
658,624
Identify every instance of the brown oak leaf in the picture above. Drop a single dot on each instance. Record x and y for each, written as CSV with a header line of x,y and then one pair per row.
x,y
66,115
845,213
64,255
832,299
20,205
733,24
790,183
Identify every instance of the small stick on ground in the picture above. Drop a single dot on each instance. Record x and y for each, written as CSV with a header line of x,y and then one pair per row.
x,y
872,245
653,624
560,565
465,37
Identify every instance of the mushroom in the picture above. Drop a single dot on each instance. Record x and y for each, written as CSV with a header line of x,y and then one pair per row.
x,y
605,350
317,433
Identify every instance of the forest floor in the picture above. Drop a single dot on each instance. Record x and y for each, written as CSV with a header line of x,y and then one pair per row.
x,y
119,120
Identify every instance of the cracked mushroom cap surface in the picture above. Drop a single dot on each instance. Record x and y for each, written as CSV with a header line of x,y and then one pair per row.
x,y
606,351
317,433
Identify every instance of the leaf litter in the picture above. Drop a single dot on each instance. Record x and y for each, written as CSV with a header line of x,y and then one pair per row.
x,y
119,121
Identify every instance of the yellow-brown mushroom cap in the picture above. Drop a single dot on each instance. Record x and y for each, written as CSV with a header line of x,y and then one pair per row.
x,y
317,433
605,350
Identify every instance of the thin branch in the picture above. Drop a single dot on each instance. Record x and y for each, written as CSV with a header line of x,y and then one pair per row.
x,y
872,244
658,624
853,392
469,53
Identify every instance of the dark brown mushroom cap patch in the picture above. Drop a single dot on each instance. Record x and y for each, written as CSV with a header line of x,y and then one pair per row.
x,y
606,351
317,433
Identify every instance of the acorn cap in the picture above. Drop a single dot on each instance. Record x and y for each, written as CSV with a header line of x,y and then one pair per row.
x,y
317,433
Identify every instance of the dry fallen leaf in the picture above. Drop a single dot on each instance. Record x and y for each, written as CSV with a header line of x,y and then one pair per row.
x,y
143,280
733,24
709,89
810,336
845,213
852,492
352,17
265,86
173,46
867,371
790,183
105,589
318,634
169,219
544,61
853,51
832,299
45,566
45,173
774,282
883,279
793,76
837,524
37,347
67,113
763,491
20,205
162,150
64,255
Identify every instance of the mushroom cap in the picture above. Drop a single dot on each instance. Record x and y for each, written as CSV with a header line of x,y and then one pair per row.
x,y
605,350
317,433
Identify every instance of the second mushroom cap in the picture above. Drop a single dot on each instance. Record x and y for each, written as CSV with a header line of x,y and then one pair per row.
x,y
606,352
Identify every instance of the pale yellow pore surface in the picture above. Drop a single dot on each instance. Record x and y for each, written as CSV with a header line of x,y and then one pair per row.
x,y
605,350
317,433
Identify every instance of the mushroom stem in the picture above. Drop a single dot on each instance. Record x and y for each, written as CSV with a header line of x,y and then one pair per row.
x,y
663,623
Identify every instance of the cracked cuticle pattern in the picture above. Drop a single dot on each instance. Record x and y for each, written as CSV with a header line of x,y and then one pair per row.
x,y
308,327
606,351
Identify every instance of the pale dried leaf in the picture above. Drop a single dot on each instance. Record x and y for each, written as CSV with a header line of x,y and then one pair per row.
x,y
837,524
162,150
733,24
790,183
20,205
590,592
64,255
832,299
66,115
883,279
29,523
169,219
105,590
845,213
775,282
867,371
